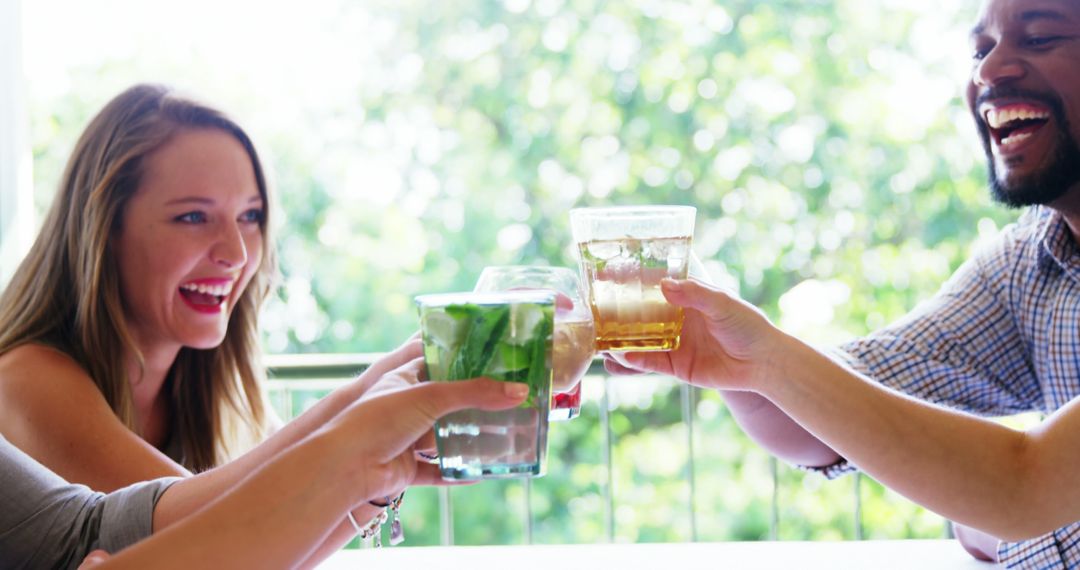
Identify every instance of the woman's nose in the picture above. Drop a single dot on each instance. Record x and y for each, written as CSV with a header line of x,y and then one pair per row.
x,y
230,250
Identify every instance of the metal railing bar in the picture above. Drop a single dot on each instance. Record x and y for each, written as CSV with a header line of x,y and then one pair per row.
x,y
856,485
311,366
446,517
609,487
316,372
774,512
687,394
528,511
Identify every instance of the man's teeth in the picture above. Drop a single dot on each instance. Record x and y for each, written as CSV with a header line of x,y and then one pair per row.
x,y
1015,138
998,118
216,290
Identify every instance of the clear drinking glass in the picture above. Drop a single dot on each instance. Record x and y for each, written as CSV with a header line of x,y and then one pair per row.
x,y
500,335
574,344
624,253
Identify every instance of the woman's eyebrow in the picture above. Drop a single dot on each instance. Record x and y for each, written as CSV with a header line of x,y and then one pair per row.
x,y
202,200
189,200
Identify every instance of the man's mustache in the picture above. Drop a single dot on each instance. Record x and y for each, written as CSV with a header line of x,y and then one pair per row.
x,y
1051,100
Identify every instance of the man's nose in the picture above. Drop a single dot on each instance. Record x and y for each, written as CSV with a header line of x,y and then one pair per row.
x,y
1000,65
229,249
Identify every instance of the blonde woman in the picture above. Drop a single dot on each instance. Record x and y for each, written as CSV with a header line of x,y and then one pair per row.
x,y
128,347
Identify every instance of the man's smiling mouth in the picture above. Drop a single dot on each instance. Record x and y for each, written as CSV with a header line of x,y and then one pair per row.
x,y
1013,123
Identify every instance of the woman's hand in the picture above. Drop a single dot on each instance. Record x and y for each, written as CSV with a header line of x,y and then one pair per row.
x,y
389,374
93,559
375,374
383,431
725,343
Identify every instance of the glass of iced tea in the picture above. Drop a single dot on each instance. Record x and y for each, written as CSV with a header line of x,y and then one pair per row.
x,y
624,252
505,336
573,346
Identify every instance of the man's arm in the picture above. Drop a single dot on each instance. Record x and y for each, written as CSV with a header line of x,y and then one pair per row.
x,y
775,431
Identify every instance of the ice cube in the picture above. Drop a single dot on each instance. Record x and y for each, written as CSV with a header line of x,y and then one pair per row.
x,y
441,328
523,320
604,249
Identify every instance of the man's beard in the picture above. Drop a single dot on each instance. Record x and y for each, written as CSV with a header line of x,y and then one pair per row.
x,y
1049,183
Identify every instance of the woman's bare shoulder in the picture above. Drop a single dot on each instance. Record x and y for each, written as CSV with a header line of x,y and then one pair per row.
x,y
53,410
32,368
39,383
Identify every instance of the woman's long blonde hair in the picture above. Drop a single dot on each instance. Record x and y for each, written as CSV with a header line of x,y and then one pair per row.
x,y
66,292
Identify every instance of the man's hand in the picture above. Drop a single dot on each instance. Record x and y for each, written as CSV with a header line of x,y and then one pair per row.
x,y
725,342
978,544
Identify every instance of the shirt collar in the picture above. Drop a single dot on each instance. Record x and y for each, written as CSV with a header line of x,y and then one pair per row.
x,y
1056,243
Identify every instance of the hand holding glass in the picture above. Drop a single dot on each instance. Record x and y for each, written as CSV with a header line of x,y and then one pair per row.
x,y
573,345
624,253
503,336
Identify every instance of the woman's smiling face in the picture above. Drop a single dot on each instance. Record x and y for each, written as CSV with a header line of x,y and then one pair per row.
x,y
189,241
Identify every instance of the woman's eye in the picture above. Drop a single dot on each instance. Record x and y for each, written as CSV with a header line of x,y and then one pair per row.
x,y
191,218
253,216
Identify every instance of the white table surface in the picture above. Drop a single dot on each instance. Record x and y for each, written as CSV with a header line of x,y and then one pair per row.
x,y
868,554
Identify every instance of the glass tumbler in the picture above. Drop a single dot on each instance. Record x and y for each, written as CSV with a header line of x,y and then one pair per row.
x,y
500,335
573,345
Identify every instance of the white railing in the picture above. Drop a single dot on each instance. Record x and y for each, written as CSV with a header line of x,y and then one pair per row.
x,y
292,373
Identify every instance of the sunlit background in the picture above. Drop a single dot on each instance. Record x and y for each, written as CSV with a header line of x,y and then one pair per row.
x,y
836,173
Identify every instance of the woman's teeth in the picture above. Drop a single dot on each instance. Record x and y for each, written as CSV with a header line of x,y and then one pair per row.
x,y
216,290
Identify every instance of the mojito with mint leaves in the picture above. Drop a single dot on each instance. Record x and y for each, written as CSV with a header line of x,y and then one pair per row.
x,y
503,336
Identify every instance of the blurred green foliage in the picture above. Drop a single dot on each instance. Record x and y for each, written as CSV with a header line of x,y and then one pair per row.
x,y
837,177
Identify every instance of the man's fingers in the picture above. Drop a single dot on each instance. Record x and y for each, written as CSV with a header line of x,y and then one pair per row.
x,y
615,363
694,294
637,363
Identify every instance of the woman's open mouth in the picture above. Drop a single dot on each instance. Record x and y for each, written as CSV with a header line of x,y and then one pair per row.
x,y
206,296
1011,125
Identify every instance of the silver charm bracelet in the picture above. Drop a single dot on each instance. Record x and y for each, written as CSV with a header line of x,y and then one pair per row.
x,y
373,531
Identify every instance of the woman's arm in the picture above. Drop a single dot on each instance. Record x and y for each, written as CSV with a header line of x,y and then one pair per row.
x,y
65,424
204,487
277,515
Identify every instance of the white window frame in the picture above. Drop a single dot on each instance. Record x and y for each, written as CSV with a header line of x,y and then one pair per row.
x,y
17,217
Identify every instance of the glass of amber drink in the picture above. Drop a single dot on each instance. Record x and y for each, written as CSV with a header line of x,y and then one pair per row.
x,y
624,252
573,343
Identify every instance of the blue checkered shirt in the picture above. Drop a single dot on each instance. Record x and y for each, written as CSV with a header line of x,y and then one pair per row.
x,y
1001,337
